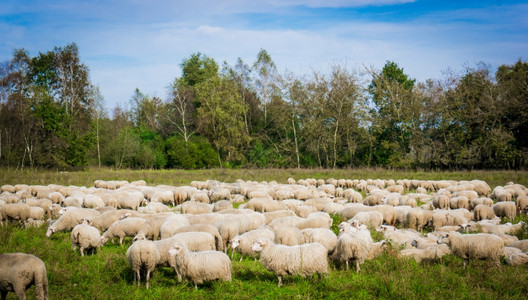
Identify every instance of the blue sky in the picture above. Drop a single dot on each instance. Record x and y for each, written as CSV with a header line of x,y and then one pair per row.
x,y
132,44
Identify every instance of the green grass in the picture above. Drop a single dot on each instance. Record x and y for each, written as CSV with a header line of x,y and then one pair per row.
x,y
106,274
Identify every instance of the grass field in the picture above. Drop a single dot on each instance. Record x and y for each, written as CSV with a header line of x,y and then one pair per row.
x,y
106,274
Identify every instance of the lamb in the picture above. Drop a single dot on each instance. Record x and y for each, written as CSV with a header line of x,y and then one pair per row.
x,y
242,243
70,219
86,237
505,209
303,260
142,255
480,245
19,272
198,267
211,229
122,228
323,236
482,211
353,245
15,211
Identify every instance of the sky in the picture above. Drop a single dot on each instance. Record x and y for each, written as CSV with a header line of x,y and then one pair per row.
x,y
131,44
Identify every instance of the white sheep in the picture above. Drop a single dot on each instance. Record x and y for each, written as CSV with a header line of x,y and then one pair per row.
x,y
288,235
426,254
522,203
482,211
485,201
515,256
521,244
15,211
151,228
128,227
196,241
353,246
211,229
198,267
143,255
243,243
441,201
70,219
193,207
372,219
505,209
480,245
171,224
303,260
222,205
459,202
19,272
105,220
85,237
323,236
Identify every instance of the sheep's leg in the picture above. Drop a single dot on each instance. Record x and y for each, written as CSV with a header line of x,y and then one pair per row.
x,y
346,264
82,251
121,240
195,286
465,263
280,280
357,266
148,278
138,276
20,291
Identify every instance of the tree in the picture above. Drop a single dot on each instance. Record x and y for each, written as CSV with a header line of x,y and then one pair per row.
x,y
266,73
220,115
198,68
181,110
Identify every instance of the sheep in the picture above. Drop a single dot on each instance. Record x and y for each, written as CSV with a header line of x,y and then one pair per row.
x,y
86,237
105,220
459,202
480,245
501,194
19,272
441,201
222,205
304,210
129,199
388,212
74,200
303,260
204,228
482,211
70,219
272,215
522,244
242,243
122,228
196,241
515,256
425,254
485,201
36,213
285,221
171,224
154,208
353,245
450,217
142,255
198,267
93,201
315,220
151,228
288,235
42,203
193,207
415,219
219,194
505,209
522,203
401,238
323,236
15,211
209,218
372,219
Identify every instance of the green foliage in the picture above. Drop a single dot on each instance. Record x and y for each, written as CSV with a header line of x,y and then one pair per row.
x,y
197,153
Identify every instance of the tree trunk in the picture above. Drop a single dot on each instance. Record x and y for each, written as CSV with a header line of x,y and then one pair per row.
x,y
296,145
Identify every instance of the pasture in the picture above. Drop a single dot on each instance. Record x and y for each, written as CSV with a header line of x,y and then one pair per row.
x,y
107,274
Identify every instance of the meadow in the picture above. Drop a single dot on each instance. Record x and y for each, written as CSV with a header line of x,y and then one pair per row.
x,y
107,275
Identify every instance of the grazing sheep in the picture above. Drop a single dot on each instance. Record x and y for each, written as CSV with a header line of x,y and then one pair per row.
x,y
441,201
426,254
142,255
198,267
210,218
15,211
171,224
86,237
105,220
323,236
36,213
485,201
522,244
453,217
42,203
303,260
196,241
459,202
70,219
288,235
501,194
373,219
19,272
505,209
316,220
272,215
127,227
522,203
415,219
93,201
480,245
243,243
482,211
222,205
193,207
211,229
151,228
515,256
353,246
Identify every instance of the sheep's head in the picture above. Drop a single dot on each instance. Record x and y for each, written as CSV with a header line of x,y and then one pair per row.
x,y
124,216
87,221
443,239
259,245
176,250
235,242
104,239
50,232
139,237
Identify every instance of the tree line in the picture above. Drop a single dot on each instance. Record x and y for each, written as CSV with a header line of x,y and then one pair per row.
x,y
250,115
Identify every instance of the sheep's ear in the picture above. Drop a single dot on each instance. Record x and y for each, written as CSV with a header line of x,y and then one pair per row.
x,y
447,235
178,247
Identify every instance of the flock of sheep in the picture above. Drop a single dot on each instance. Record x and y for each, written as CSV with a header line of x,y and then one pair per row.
x,y
191,228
